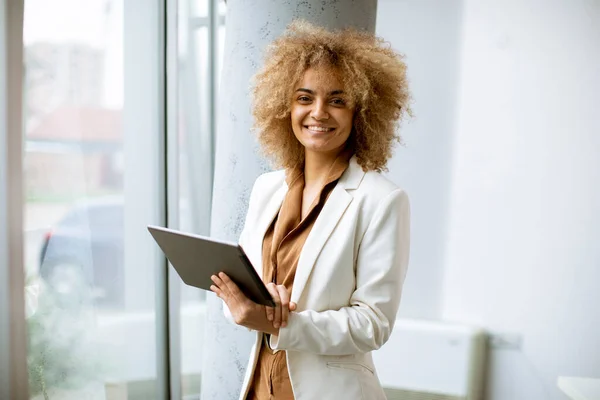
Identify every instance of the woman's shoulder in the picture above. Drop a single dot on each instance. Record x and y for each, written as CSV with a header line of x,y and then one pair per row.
x,y
268,180
377,186
266,185
371,184
378,195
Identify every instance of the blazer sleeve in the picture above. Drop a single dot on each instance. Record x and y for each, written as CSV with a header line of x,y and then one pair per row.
x,y
366,323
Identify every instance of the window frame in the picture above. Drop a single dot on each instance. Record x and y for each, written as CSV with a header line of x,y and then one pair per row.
x,y
13,329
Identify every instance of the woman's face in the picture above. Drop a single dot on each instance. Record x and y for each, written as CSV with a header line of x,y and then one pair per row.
x,y
321,112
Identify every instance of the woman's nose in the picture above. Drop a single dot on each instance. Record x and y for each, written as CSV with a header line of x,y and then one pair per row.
x,y
319,111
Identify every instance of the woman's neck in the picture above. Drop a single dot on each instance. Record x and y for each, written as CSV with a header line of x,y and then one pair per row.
x,y
317,166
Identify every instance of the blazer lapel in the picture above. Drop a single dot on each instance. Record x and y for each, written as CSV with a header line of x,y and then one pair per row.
x,y
332,211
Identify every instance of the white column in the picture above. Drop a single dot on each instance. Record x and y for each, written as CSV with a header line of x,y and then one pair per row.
x,y
13,333
251,25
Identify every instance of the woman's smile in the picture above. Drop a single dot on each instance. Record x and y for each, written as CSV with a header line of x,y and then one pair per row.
x,y
321,114
317,129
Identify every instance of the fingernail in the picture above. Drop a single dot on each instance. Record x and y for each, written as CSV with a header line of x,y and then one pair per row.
x,y
276,325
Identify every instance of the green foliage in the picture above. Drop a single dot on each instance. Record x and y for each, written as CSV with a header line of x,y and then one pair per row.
x,y
62,353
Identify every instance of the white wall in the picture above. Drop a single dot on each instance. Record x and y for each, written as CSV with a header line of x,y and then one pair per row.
x,y
427,32
524,228
521,212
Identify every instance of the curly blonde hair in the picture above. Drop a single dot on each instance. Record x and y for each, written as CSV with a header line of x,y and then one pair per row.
x,y
373,75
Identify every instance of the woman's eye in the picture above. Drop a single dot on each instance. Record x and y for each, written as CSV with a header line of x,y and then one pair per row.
x,y
303,98
339,102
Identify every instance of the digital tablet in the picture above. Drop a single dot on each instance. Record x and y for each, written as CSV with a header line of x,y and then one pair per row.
x,y
196,258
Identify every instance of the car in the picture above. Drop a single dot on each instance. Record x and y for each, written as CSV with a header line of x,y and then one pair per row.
x,y
82,256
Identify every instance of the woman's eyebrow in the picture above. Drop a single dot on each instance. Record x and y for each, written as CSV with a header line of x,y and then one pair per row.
x,y
332,93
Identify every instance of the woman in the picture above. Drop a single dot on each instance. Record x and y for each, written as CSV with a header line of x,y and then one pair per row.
x,y
328,233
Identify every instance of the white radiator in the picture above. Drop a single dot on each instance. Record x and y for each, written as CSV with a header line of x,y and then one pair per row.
x,y
431,360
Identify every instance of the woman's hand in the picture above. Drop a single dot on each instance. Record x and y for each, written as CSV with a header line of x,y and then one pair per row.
x,y
245,312
280,313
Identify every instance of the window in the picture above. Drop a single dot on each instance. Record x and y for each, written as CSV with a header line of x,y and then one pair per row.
x,y
94,179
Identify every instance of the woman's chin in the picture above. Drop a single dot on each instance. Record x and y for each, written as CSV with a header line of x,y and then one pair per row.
x,y
321,143
321,148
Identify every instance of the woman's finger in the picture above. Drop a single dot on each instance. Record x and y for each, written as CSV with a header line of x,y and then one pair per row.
x,y
231,289
285,300
270,311
293,306
272,288
216,290
219,284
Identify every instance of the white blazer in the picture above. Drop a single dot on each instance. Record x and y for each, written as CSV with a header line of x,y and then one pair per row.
x,y
347,287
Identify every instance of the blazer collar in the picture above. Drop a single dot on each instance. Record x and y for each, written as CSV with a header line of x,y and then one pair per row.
x,y
328,218
353,176
350,179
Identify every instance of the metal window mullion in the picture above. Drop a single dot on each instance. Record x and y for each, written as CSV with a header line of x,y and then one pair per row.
x,y
172,155
13,329
213,28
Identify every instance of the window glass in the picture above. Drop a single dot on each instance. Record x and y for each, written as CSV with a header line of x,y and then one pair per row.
x,y
91,168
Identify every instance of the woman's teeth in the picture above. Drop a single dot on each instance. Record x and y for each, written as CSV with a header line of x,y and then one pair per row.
x,y
319,129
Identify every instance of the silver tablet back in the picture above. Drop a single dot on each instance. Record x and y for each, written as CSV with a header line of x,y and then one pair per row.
x,y
196,258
